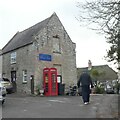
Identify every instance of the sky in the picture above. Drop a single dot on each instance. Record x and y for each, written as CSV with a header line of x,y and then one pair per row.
x,y
18,15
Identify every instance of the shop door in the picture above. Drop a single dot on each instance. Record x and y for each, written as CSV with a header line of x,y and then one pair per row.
x,y
13,80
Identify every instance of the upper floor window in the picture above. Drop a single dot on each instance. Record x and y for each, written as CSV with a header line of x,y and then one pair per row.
x,y
56,44
13,57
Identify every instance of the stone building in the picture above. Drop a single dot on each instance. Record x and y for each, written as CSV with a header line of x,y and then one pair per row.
x,y
0,63
22,55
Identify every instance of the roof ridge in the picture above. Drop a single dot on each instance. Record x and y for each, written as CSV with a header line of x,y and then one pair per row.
x,y
94,66
99,65
39,22
35,25
19,39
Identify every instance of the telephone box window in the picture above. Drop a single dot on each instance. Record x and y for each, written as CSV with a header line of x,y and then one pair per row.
x,y
46,82
53,82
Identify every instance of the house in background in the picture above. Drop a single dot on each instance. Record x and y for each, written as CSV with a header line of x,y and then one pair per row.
x,y
101,73
44,45
0,63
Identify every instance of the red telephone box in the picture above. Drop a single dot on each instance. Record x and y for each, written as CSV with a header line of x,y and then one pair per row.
x,y
50,81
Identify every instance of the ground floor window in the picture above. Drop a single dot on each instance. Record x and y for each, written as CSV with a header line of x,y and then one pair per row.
x,y
24,76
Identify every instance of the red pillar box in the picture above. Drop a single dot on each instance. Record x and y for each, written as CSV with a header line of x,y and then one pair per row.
x,y
50,81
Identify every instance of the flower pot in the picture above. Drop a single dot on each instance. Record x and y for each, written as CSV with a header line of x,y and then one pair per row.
x,y
41,92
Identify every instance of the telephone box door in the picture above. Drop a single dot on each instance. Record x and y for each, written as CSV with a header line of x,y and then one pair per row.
x,y
54,84
46,81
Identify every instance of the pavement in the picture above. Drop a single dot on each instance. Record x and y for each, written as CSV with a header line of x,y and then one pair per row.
x,y
22,106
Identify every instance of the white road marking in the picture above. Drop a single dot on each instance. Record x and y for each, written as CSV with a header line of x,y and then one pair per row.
x,y
24,110
97,103
57,101
81,105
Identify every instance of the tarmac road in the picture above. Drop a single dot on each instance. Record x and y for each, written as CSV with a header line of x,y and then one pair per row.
x,y
101,106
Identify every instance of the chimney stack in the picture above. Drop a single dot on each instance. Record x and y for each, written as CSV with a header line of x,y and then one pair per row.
x,y
89,65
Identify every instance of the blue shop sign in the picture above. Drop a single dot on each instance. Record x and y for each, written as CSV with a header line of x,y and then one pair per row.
x,y
45,57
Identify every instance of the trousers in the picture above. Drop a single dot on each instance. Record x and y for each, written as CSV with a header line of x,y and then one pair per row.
x,y
86,93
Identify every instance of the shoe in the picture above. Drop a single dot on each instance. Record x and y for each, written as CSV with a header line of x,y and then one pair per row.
x,y
85,103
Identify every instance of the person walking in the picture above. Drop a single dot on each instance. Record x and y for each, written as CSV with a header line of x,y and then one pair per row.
x,y
85,82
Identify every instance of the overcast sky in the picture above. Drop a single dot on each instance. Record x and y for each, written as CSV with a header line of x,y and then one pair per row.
x,y
17,15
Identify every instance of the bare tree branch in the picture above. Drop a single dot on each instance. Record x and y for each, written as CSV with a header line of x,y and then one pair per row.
x,y
106,15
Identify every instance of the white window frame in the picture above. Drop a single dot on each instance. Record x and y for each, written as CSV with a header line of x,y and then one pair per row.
x,y
13,57
24,73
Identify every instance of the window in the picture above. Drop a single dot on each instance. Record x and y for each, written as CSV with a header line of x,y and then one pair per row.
x,y
24,76
56,45
59,68
13,57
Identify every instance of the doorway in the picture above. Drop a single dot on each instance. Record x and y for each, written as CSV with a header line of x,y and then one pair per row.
x,y
13,80
32,84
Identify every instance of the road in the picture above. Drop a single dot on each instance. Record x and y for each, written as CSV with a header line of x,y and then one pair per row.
x,y
101,106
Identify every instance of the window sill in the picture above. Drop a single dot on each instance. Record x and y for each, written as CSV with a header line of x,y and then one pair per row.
x,y
13,63
24,82
56,52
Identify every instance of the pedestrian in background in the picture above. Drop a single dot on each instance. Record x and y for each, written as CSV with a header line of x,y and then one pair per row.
x,y
86,82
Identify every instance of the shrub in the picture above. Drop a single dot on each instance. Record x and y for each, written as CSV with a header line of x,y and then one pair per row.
x,y
99,90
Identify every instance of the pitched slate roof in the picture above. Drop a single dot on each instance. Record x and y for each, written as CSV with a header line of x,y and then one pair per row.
x,y
109,73
25,37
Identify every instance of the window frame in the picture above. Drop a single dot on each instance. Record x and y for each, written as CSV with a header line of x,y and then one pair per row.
x,y
13,57
24,76
56,45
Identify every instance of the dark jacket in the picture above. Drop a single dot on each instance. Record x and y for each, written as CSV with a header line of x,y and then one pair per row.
x,y
85,79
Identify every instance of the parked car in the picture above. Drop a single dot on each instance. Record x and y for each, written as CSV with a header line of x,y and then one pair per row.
x,y
2,93
7,84
109,89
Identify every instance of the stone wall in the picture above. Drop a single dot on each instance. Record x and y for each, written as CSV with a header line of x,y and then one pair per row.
x,y
24,61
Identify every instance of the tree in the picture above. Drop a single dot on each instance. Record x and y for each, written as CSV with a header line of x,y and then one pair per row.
x,y
96,74
106,15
